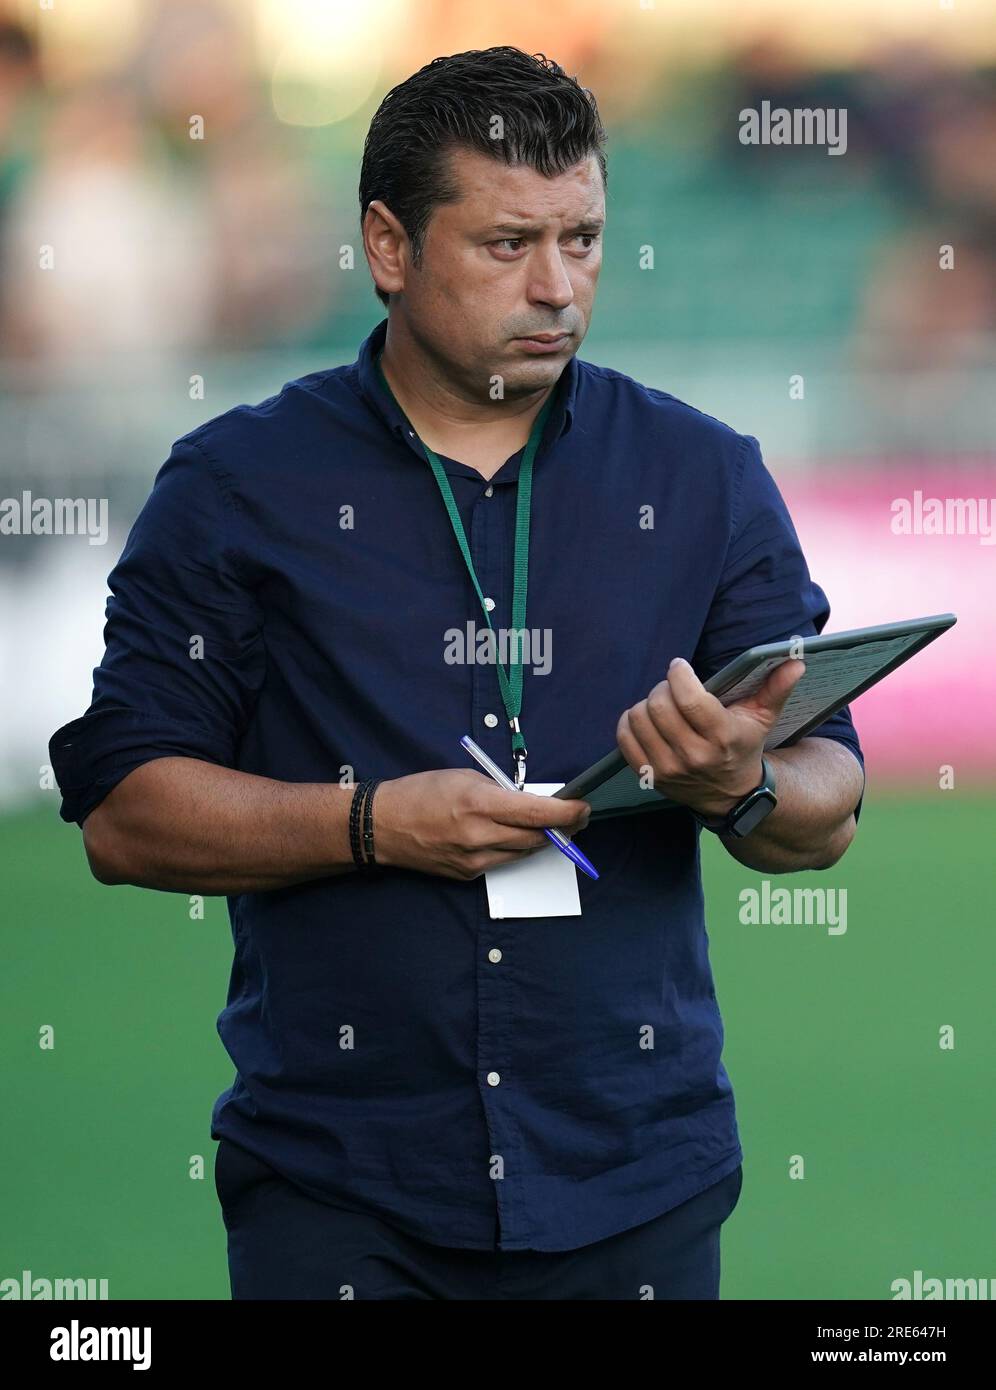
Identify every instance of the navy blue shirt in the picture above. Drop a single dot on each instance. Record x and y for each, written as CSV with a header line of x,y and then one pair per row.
x,y
304,540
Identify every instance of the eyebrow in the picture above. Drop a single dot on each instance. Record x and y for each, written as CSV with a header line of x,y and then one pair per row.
x,y
588,224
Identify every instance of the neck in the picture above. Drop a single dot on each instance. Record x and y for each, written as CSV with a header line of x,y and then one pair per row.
x,y
480,433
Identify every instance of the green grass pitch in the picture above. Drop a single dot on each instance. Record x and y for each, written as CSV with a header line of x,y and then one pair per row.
x,y
832,1044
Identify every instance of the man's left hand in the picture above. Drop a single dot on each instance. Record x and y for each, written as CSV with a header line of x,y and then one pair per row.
x,y
703,754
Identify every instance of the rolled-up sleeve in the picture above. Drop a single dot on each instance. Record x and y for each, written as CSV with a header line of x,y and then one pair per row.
x,y
184,655
765,593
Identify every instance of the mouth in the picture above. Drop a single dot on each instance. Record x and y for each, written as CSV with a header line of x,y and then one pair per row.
x,y
544,342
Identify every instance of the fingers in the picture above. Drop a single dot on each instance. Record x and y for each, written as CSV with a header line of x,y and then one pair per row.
x,y
684,703
492,835
476,862
660,735
678,725
779,686
531,811
660,759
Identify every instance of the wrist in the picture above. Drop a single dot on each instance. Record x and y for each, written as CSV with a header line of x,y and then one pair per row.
x,y
718,806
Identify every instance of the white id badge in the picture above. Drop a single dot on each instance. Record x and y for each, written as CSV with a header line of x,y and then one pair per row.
x,y
543,884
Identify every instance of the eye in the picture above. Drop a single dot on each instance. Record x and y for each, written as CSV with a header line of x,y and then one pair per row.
x,y
589,237
512,242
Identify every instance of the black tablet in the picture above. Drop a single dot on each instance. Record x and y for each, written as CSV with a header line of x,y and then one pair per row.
x,y
840,666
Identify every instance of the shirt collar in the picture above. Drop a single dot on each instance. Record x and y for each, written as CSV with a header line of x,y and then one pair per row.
x,y
562,413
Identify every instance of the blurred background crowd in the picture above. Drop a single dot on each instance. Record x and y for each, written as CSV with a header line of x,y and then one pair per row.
x,y
193,166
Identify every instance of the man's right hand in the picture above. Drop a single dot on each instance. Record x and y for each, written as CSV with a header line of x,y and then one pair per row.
x,y
458,823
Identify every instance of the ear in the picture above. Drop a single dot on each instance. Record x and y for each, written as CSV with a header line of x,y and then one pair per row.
x,y
386,247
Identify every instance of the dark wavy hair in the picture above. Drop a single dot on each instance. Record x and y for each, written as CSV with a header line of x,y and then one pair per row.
x,y
550,123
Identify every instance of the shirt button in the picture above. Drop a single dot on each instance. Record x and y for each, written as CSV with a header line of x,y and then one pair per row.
x,y
494,955
493,1078
489,604
488,491
491,720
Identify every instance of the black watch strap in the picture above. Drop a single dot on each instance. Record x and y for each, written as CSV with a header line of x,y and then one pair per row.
x,y
749,811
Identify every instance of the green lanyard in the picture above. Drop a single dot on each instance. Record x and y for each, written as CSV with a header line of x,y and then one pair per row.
x,y
511,690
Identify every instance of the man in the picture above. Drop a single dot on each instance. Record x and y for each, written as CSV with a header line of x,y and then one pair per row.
x,y
432,1101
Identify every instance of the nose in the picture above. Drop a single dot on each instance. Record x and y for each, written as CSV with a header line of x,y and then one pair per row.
x,y
549,282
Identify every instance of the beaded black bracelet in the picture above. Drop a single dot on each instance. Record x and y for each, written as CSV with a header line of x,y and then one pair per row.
x,y
368,834
355,811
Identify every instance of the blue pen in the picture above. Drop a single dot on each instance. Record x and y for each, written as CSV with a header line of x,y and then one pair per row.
x,y
561,841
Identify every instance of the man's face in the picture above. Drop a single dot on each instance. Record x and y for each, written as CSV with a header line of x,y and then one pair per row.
x,y
518,254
